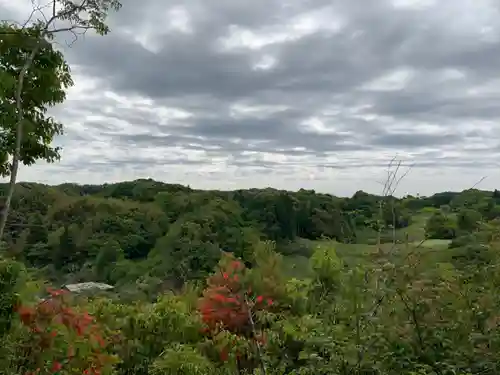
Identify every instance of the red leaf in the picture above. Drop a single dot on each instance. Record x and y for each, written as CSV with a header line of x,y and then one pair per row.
x,y
56,366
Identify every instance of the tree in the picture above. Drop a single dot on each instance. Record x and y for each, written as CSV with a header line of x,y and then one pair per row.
x,y
440,226
109,254
66,250
33,77
468,220
228,309
59,338
44,86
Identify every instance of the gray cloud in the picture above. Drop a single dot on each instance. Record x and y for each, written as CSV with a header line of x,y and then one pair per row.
x,y
410,139
227,91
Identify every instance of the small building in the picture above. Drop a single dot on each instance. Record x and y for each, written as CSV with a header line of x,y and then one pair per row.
x,y
84,287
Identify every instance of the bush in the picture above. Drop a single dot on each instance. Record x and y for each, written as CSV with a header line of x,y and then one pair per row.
x,y
440,226
12,278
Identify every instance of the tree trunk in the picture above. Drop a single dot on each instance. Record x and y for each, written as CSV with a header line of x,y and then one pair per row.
x,y
19,137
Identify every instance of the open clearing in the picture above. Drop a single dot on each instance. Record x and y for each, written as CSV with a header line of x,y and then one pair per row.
x,y
358,253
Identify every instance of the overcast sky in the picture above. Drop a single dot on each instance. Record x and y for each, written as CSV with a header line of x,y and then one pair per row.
x,y
318,94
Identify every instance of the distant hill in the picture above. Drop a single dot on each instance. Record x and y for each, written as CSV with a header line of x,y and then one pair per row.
x,y
144,228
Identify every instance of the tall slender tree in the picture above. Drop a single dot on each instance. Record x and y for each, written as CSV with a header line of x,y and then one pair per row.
x,y
33,77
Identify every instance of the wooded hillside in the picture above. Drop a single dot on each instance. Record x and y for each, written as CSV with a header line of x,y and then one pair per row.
x,y
124,232
249,281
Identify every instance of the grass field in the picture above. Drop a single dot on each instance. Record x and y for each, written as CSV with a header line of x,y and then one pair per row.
x,y
361,253
433,244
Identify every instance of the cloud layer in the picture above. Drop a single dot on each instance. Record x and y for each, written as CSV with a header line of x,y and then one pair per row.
x,y
308,93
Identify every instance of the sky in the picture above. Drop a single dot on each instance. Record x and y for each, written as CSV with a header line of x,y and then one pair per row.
x,y
313,94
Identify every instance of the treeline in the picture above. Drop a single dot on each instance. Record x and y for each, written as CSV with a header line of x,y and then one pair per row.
x,y
163,233
471,211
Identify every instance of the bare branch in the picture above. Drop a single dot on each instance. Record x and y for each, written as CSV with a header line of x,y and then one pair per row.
x,y
389,187
33,11
480,180
254,334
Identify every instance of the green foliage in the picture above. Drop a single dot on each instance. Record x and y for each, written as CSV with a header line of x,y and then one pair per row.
x,y
182,360
400,314
327,266
305,297
468,220
440,226
92,16
44,86
12,277
146,236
